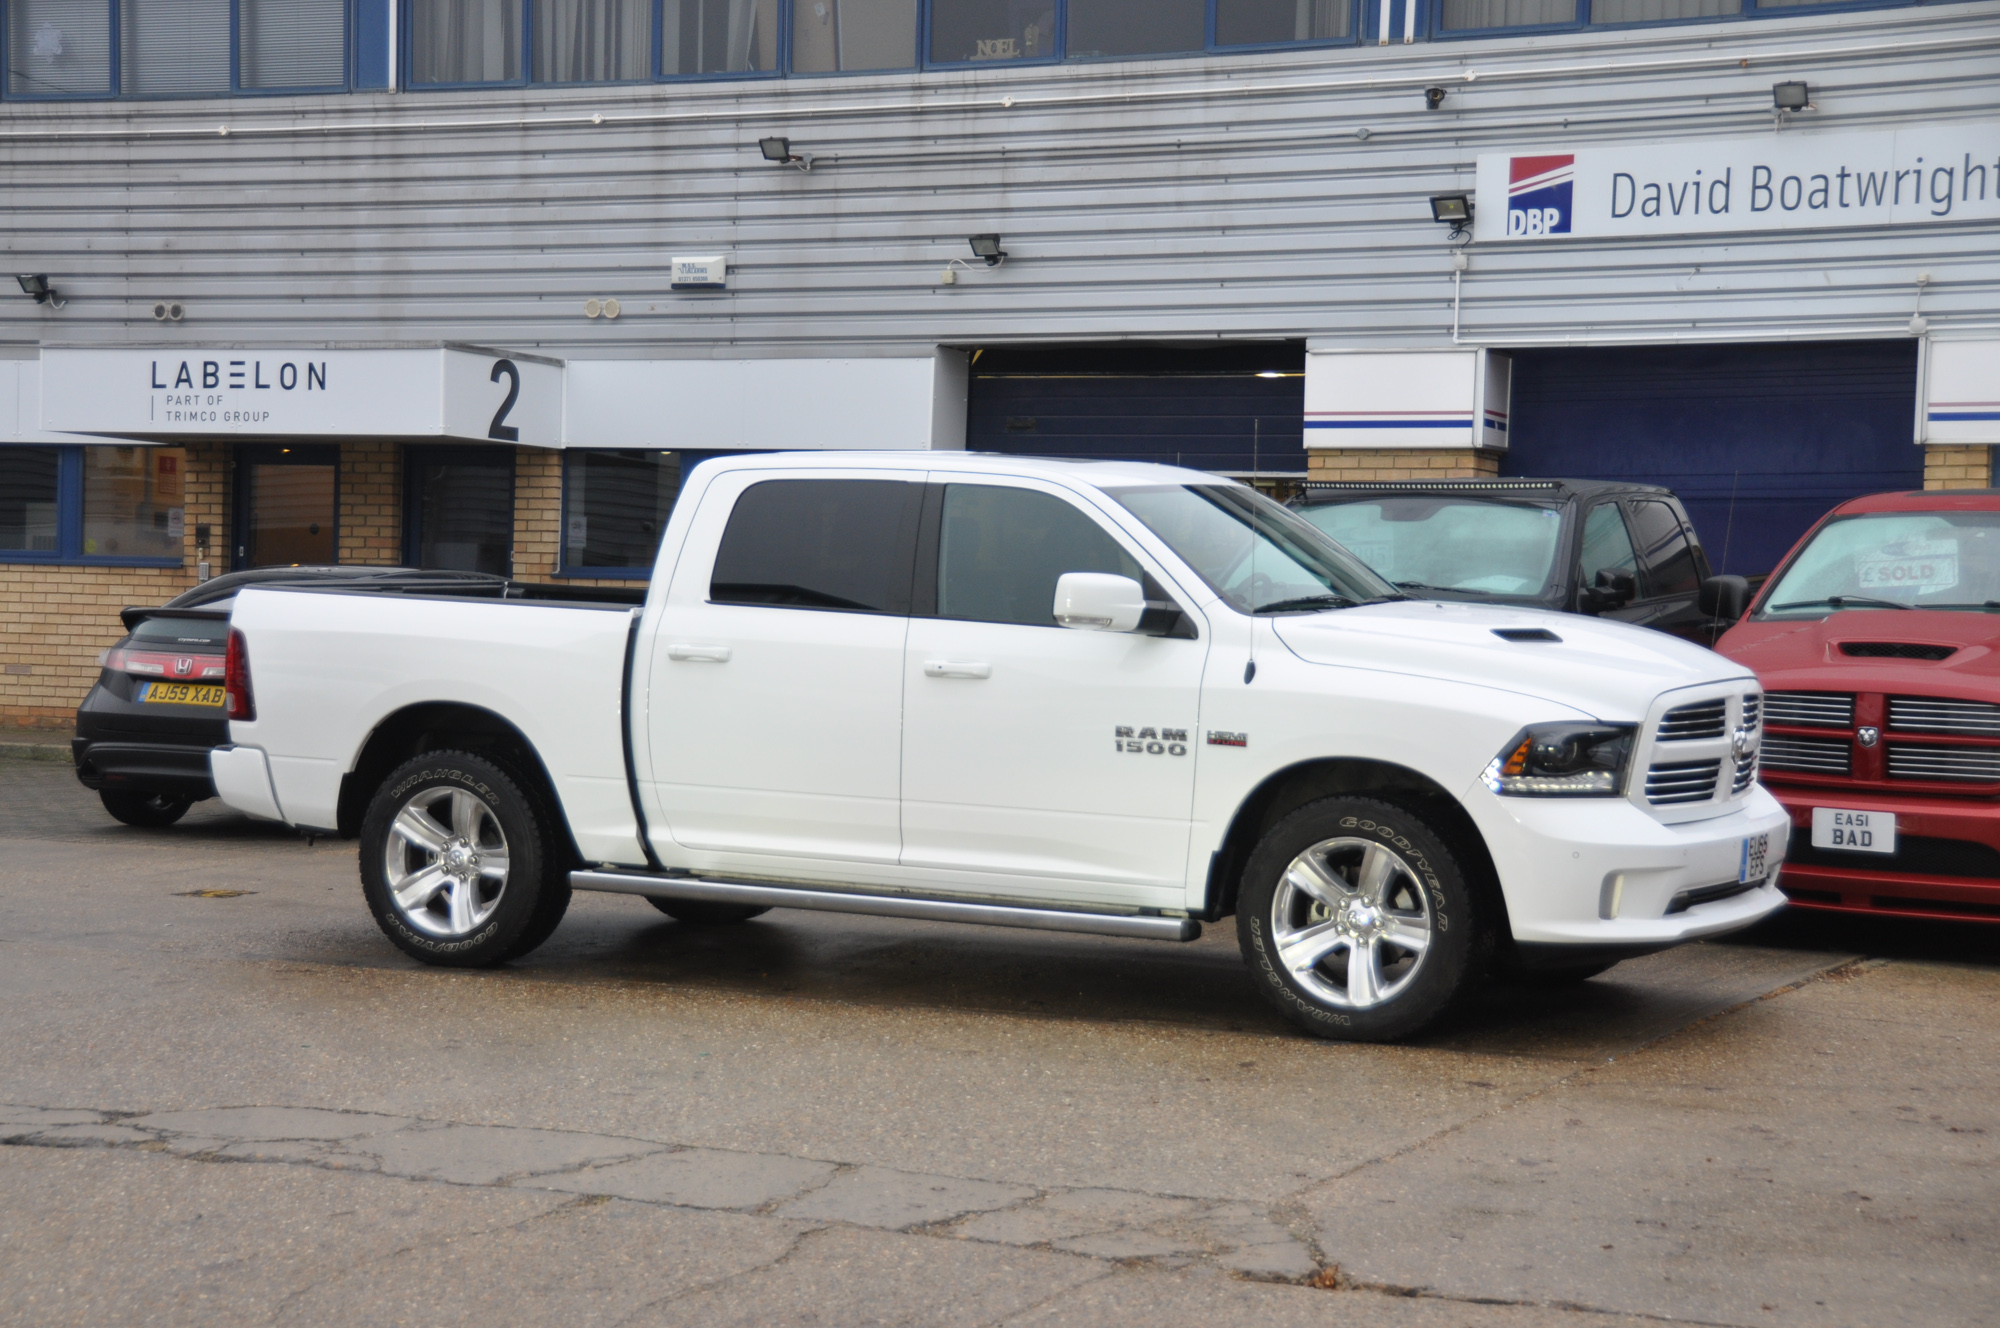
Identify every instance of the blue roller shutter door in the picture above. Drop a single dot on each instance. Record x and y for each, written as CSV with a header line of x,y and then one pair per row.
x,y
1759,441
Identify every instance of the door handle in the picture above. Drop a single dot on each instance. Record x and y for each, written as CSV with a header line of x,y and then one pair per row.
x,y
700,654
945,668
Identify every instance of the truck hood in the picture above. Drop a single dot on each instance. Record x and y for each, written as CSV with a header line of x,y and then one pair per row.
x,y
1609,670
1809,655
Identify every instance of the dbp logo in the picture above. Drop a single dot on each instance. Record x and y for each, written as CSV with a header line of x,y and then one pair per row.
x,y
1538,195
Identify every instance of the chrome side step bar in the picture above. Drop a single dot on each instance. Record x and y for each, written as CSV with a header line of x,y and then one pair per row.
x,y
886,906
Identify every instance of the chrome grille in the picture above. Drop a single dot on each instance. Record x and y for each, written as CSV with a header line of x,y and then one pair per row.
x,y
1682,781
1829,710
1978,765
1746,772
1703,719
1751,704
1925,714
1811,756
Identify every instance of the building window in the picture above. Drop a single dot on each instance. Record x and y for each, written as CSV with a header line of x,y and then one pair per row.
x,y
458,509
59,48
113,505
615,506
718,37
465,41
833,35
286,44
593,41
184,48
986,31
1278,22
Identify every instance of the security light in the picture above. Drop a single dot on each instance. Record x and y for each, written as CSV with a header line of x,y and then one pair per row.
x,y
1433,98
36,287
779,150
1453,208
988,248
1791,96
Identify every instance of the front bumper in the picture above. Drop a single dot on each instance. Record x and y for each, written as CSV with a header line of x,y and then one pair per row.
x,y
1946,864
1601,873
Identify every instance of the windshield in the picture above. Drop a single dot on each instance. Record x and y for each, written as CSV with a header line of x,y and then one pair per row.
x,y
1260,557
1475,545
1897,560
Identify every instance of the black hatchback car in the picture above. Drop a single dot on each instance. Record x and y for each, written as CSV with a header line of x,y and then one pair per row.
x,y
144,732
1616,550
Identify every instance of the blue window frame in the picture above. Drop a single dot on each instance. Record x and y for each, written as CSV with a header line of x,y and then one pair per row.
x,y
94,506
99,49
1486,18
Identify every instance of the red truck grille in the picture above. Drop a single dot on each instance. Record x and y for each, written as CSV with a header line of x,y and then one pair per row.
x,y
1962,747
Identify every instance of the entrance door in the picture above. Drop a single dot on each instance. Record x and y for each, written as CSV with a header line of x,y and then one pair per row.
x,y
458,509
287,506
776,672
1037,758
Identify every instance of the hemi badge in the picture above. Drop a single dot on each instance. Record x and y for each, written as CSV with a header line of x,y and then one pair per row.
x,y
1219,739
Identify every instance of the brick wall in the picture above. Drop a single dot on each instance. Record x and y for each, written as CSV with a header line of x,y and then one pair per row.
x,y
1360,465
1952,467
371,503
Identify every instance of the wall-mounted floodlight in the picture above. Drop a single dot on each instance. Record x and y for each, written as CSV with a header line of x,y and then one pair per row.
x,y
1454,210
1791,97
988,248
779,150
36,287
1433,98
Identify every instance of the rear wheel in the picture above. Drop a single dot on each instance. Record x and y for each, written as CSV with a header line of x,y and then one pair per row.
x,y
1358,922
707,912
146,809
459,865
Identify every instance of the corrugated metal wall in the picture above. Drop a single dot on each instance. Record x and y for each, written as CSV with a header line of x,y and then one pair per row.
x,y
1231,197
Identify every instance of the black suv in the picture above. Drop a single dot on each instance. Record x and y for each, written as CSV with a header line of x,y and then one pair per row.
x,y
144,732
1616,550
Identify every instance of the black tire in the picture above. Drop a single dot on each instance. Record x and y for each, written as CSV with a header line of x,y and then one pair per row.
x,y
151,810
497,922
1421,894
708,913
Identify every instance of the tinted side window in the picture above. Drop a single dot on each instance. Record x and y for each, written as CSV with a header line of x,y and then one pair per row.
x,y
1001,550
1606,546
820,544
1663,544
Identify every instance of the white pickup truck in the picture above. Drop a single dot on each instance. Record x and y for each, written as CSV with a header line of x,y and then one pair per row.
x,y
1120,699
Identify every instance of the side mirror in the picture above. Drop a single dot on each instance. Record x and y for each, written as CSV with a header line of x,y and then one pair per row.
x,y
1725,597
1610,591
1099,602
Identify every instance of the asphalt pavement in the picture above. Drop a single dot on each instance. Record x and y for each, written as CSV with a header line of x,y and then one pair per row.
x,y
225,1098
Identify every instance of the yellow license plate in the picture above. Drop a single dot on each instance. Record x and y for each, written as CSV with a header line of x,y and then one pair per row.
x,y
183,693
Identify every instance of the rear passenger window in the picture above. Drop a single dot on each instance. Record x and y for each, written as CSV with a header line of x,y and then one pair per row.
x,y
1000,551
1663,546
820,544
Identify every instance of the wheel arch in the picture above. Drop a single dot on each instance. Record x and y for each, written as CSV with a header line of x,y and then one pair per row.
x,y
1287,790
434,726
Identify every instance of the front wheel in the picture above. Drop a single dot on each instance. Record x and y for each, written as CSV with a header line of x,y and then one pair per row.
x,y
151,810
1358,921
460,867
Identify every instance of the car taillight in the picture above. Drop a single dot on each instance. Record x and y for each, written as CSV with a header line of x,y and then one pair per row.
x,y
159,664
236,679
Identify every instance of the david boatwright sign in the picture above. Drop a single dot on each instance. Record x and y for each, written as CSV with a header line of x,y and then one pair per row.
x,y
1788,181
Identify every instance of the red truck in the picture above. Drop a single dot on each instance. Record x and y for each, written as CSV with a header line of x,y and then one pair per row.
x,y
1875,642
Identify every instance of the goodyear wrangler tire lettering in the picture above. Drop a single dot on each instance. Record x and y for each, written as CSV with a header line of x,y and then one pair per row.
x,y
1345,914
462,863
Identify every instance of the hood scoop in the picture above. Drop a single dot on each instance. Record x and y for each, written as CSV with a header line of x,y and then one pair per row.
x,y
1896,650
1526,634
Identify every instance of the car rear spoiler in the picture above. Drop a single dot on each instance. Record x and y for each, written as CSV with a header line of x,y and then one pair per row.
x,y
132,617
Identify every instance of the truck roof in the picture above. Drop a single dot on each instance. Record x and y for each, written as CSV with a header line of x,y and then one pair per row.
x,y
1097,473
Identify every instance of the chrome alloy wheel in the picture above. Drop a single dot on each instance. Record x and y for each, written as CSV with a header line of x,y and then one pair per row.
x,y
446,862
1351,922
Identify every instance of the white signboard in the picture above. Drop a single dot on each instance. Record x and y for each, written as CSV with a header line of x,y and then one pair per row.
x,y
1407,398
1962,393
1785,181
458,393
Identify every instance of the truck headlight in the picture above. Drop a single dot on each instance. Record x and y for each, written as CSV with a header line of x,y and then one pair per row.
x,y
1563,761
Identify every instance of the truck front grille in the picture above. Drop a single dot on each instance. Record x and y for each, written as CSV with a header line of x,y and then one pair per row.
x,y
1746,773
1974,765
1703,719
1926,714
1751,705
1809,756
1682,781
1823,710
